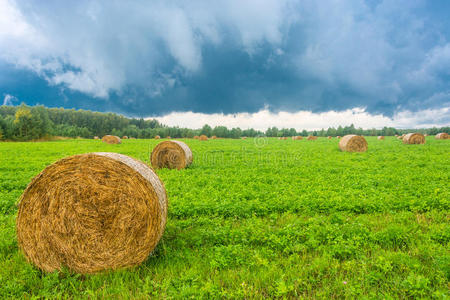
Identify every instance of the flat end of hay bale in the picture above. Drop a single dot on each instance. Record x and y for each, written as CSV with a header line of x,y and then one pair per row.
x,y
442,136
172,155
111,139
413,138
353,143
91,212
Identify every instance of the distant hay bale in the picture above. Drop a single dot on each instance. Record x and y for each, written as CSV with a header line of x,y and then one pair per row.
x,y
157,137
111,139
338,137
244,137
330,137
312,138
196,137
297,138
168,137
442,136
353,143
125,137
381,137
203,138
96,138
172,155
214,137
425,135
414,138
91,212
396,135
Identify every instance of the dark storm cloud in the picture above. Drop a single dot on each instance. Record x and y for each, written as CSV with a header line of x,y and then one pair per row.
x,y
151,58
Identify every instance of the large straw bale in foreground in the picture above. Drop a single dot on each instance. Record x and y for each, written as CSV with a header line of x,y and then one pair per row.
x,y
353,143
442,136
111,139
414,138
171,154
92,212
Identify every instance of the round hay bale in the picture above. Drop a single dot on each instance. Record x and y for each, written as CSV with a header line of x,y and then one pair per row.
x,y
168,137
297,138
125,137
330,137
203,137
92,212
111,139
338,137
196,137
244,137
214,137
442,136
381,138
425,135
353,143
157,137
96,138
414,138
312,138
172,155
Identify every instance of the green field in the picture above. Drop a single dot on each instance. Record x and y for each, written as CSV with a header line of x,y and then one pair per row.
x,y
265,218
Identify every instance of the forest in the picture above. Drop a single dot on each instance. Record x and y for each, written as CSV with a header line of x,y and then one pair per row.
x,y
25,123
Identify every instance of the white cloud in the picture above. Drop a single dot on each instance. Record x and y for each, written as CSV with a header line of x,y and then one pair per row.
x,y
97,47
311,121
9,100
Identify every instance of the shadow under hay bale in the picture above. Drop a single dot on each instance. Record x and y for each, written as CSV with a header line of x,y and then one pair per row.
x,y
353,143
414,138
111,139
92,212
442,136
171,155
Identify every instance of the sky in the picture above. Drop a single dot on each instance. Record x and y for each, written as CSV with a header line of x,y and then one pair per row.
x,y
254,63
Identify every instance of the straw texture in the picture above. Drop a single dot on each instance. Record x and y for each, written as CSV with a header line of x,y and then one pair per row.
x,y
414,138
442,136
353,143
92,212
111,139
172,155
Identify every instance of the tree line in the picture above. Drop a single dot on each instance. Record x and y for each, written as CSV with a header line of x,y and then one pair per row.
x,y
24,123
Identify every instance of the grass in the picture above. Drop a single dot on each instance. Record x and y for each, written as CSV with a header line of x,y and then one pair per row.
x,y
264,218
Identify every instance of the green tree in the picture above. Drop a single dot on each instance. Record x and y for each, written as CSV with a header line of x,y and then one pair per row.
x,y
23,122
206,130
